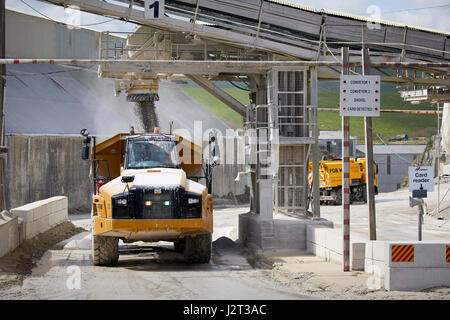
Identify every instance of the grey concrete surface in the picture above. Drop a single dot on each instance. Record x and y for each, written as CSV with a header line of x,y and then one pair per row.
x,y
280,233
394,218
40,167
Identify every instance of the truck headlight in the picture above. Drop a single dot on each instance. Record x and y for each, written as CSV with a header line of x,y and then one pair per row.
x,y
193,200
121,202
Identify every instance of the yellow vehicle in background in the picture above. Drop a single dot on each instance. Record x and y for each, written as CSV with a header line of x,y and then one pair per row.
x,y
330,173
145,191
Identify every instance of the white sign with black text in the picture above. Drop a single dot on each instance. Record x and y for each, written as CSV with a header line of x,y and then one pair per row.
x,y
154,9
359,96
421,178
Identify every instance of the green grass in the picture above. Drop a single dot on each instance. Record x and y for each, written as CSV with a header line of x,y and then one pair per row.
x,y
387,125
218,108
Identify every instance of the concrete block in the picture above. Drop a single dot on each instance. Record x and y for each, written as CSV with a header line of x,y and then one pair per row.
x,y
358,265
65,202
22,230
427,254
55,205
34,228
9,232
58,217
54,219
59,203
375,250
326,242
25,213
358,255
65,214
374,266
359,250
43,224
415,279
62,215
28,231
39,212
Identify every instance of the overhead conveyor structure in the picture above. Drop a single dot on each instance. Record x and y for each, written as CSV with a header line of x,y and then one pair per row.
x,y
270,30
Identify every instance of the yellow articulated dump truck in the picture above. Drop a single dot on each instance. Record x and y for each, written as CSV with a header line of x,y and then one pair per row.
x,y
145,191
330,173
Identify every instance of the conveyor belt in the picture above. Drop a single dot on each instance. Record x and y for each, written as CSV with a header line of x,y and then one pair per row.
x,y
300,25
280,26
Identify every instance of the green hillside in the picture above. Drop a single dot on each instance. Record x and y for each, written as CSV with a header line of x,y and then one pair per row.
x,y
218,108
387,125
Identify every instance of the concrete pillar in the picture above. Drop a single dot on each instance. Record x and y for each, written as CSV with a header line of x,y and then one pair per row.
x,y
266,201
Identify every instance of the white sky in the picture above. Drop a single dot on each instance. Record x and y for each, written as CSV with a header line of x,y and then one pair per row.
x,y
433,14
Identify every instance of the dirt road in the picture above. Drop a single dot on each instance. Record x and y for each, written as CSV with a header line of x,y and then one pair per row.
x,y
149,271
155,271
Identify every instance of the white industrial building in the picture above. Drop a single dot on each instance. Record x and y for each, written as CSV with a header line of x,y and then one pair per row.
x,y
330,143
393,161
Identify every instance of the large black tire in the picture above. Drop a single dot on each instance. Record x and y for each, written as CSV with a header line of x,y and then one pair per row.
x,y
179,244
364,193
338,200
198,249
105,250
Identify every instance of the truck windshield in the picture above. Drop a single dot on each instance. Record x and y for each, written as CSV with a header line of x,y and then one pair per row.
x,y
143,154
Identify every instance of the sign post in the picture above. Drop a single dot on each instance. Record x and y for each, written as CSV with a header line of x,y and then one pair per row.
x,y
421,180
360,96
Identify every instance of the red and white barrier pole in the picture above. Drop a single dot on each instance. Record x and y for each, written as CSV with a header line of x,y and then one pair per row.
x,y
346,176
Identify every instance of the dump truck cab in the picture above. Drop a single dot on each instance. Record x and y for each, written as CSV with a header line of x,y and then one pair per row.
x,y
152,198
362,164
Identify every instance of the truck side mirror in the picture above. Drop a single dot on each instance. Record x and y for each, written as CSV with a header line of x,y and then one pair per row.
x,y
85,152
86,142
215,161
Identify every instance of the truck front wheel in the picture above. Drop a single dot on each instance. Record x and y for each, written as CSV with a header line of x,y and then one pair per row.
x,y
198,249
105,250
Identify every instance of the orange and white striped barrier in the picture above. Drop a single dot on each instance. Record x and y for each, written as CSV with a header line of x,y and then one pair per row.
x,y
402,253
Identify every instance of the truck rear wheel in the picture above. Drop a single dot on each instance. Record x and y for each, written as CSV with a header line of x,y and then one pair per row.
x,y
179,244
105,250
338,200
198,249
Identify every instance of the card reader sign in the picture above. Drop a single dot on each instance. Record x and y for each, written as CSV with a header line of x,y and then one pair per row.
x,y
421,178
360,96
